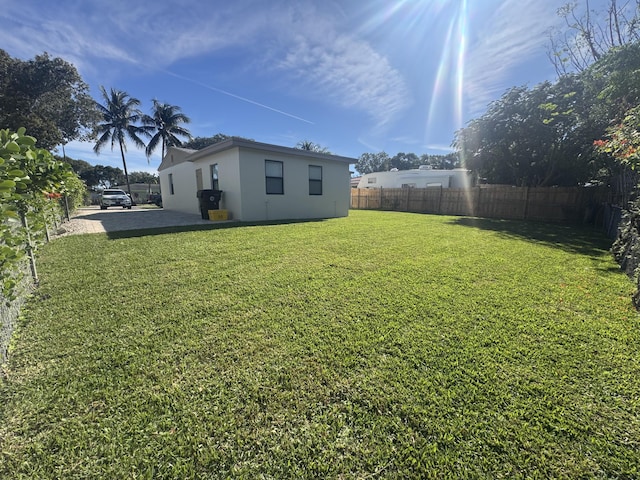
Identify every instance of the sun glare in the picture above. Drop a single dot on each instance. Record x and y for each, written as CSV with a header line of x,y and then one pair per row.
x,y
410,21
450,71
462,49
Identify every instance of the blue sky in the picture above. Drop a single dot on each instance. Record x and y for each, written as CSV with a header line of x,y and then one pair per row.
x,y
354,76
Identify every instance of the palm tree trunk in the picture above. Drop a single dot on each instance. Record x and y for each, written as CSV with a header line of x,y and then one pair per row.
x,y
126,174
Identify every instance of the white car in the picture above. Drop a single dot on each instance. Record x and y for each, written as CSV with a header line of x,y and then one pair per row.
x,y
114,198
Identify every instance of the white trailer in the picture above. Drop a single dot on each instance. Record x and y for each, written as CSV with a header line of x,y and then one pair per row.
x,y
422,177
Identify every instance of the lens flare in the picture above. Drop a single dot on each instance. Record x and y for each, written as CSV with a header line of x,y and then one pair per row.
x,y
450,74
459,97
462,49
444,67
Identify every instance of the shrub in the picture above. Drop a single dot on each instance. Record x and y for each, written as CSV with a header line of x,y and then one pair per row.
x,y
30,178
626,248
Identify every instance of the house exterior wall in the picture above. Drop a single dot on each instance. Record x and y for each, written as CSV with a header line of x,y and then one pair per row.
x,y
228,179
183,198
242,179
296,202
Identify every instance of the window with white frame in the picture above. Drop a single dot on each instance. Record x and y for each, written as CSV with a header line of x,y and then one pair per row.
x,y
171,189
274,175
315,180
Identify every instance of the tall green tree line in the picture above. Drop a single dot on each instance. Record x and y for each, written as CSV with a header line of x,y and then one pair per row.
x,y
544,135
381,161
97,177
46,96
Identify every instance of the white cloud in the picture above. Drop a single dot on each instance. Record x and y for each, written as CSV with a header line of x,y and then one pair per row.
x,y
73,38
350,73
326,63
300,39
439,147
147,32
514,32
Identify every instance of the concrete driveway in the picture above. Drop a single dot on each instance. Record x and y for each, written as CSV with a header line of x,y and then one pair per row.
x,y
93,220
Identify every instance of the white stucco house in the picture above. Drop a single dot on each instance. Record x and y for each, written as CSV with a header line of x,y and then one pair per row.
x,y
259,181
422,177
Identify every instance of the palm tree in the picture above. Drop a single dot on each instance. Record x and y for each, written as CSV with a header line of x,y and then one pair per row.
x,y
312,147
120,114
166,120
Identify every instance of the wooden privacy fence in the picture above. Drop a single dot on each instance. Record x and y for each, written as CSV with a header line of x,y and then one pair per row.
x,y
554,204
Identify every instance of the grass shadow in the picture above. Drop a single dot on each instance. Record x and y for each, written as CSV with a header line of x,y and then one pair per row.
x,y
585,240
143,232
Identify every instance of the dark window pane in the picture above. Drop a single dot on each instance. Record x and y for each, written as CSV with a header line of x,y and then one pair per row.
x,y
275,186
315,187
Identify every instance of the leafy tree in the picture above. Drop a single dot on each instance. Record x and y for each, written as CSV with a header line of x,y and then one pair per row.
x,y
404,161
588,34
27,173
612,89
444,162
533,137
143,177
90,177
623,144
623,140
613,82
372,162
78,166
47,96
198,143
120,114
165,120
312,147
380,162
100,176
76,191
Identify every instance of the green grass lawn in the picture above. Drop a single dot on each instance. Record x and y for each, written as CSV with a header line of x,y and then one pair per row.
x,y
382,345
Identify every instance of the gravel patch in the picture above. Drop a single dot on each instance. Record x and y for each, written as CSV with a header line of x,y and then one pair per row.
x,y
75,226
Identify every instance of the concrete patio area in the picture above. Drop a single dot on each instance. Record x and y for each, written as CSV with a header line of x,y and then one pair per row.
x,y
93,220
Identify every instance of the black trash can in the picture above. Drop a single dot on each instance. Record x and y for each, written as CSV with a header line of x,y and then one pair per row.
x,y
208,200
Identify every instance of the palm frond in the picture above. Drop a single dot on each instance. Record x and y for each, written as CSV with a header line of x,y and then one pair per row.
x,y
165,119
102,141
120,114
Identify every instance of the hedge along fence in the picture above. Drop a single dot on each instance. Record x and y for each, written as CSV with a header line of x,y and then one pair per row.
x,y
10,309
34,187
554,204
36,228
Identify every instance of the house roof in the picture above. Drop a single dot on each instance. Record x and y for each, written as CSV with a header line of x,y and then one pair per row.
x,y
188,155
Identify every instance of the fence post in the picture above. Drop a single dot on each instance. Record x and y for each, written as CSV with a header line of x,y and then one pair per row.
x,y
380,206
440,201
406,205
526,203
66,207
29,247
423,203
46,227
